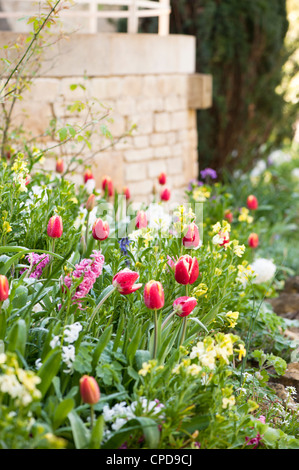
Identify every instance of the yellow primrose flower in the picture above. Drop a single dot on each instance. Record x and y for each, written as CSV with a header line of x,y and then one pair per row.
x,y
6,227
216,228
232,318
242,352
218,272
228,402
239,250
199,290
146,368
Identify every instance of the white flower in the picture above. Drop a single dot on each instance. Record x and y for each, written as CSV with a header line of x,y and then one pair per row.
x,y
54,342
90,185
71,332
259,168
277,157
295,173
68,357
264,269
38,363
157,217
119,422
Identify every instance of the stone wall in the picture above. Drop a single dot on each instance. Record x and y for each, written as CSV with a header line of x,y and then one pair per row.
x,y
147,81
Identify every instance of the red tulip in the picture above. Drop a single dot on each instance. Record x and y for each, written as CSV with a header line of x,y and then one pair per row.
x,y
90,203
228,215
107,185
154,295
253,240
89,390
186,270
162,178
124,281
191,239
27,180
55,227
88,175
252,202
141,219
4,288
165,195
183,306
100,230
126,192
59,165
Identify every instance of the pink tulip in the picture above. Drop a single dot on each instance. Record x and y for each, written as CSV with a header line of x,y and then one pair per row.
x,y
59,165
124,281
90,203
100,230
55,228
253,240
107,185
252,202
88,175
191,239
186,270
89,390
4,288
154,295
183,306
141,220
162,178
165,195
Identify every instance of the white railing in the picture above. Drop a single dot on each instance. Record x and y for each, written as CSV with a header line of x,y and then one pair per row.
x,y
135,9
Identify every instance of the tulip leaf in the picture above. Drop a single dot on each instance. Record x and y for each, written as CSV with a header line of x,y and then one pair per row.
x,y
2,325
133,345
118,333
148,427
81,434
97,433
49,370
62,411
17,337
102,343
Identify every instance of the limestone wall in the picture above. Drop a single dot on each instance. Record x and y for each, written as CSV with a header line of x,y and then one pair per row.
x,y
146,80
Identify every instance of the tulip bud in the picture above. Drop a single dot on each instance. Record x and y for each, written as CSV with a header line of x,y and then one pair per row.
x,y
59,165
4,288
126,192
183,306
141,219
89,390
154,295
55,227
165,195
186,270
253,240
100,230
88,175
252,202
107,185
90,203
191,239
124,281
228,215
162,178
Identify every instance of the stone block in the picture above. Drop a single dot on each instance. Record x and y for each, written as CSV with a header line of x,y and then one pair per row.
x,y
155,168
162,122
135,155
200,91
135,172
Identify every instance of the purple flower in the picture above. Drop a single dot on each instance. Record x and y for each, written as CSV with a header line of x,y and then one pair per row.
x,y
37,264
254,441
208,172
193,183
90,270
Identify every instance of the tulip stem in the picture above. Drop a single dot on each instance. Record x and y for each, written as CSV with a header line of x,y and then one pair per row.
x,y
91,417
184,330
98,307
167,319
156,333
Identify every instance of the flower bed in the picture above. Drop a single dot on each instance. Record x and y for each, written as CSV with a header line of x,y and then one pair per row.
x,y
93,325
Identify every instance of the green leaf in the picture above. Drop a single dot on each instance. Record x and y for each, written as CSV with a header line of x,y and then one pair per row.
x,y
20,297
48,370
62,411
81,434
141,356
62,134
147,425
102,343
97,433
118,333
17,337
133,345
